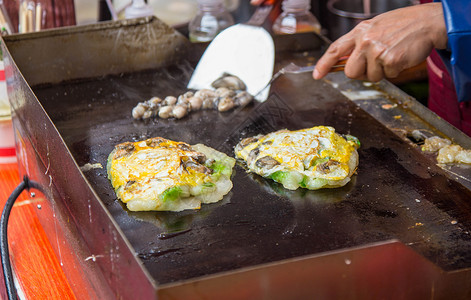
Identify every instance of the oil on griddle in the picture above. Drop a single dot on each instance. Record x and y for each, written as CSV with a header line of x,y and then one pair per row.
x,y
396,193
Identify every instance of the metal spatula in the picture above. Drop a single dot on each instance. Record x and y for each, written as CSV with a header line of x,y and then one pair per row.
x,y
292,68
244,50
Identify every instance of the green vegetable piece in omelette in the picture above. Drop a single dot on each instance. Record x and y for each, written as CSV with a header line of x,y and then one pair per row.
x,y
163,175
311,158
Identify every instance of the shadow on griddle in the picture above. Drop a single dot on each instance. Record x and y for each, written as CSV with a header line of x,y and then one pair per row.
x,y
303,196
175,223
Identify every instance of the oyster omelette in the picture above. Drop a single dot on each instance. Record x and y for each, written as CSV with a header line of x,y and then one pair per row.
x,y
311,158
163,175
158,174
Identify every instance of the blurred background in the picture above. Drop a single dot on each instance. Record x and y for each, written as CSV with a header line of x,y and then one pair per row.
x,y
336,17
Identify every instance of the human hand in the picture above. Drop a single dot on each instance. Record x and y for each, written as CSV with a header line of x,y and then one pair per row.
x,y
388,43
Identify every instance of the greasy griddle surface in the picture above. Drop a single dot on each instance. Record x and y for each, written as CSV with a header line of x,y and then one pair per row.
x,y
396,193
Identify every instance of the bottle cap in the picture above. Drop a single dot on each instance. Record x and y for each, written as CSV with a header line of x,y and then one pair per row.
x,y
138,9
296,4
209,2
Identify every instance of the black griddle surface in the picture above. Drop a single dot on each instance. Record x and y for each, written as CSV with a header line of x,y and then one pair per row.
x,y
397,193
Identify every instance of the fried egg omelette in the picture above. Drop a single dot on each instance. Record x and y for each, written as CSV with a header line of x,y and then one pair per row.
x,y
163,175
311,158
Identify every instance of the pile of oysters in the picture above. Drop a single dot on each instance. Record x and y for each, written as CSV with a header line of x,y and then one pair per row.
x,y
229,92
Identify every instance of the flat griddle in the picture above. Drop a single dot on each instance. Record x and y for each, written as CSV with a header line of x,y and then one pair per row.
x,y
397,196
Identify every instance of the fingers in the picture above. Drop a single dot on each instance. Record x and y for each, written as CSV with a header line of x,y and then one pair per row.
x,y
393,64
388,43
338,49
374,63
363,68
374,71
365,55
356,65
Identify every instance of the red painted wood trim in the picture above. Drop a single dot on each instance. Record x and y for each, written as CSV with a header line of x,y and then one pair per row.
x,y
33,259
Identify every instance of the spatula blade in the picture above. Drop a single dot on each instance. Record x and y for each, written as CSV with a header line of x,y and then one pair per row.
x,y
242,50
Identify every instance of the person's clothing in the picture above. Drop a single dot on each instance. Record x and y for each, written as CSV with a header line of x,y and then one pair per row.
x,y
442,97
450,70
457,56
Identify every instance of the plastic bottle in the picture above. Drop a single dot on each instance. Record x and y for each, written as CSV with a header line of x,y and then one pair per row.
x,y
211,18
296,18
138,9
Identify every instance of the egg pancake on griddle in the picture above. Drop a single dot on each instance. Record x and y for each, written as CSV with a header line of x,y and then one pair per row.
x,y
163,175
311,158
